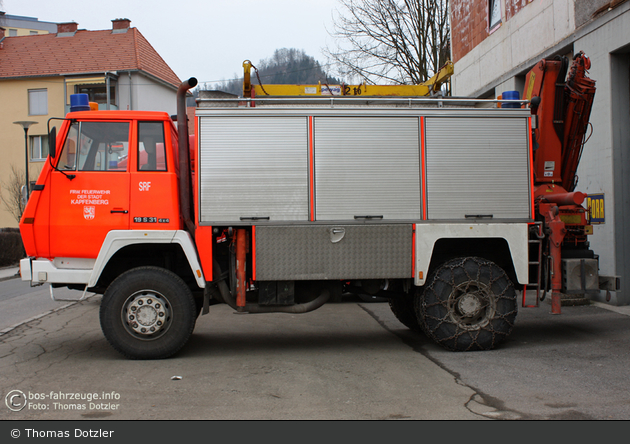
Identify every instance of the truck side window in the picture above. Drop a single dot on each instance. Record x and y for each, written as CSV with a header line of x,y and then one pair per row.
x,y
151,149
68,157
103,146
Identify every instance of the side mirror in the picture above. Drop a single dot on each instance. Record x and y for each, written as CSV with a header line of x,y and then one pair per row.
x,y
23,196
52,142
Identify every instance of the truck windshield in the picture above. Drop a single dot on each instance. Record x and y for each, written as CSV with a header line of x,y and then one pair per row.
x,y
102,146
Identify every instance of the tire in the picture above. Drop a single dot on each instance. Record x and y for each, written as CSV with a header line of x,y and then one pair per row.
x,y
167,307
467,304
403,309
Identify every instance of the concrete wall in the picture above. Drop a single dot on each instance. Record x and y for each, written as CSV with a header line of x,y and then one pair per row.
x,y
605,165
585,10
620,110
537,26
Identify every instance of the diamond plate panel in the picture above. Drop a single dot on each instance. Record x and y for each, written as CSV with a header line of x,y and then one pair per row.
x,y
315,252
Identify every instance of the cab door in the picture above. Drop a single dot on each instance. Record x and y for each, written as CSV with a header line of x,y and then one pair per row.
x,y
154,186
90,188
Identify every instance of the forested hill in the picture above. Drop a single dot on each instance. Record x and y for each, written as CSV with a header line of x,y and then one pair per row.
x,y
285,66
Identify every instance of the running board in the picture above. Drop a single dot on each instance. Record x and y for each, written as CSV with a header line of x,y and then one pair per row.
x,y
82,298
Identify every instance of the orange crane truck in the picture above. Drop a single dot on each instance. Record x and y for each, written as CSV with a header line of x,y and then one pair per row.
x,y
432,203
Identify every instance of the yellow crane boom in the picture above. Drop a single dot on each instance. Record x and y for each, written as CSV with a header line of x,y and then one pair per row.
x,y
322,89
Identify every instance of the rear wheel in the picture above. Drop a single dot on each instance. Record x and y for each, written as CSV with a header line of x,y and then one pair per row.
x,y
148,313
403,309
468,304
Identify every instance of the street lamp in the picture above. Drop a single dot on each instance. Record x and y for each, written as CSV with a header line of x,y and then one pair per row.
x,y
25,124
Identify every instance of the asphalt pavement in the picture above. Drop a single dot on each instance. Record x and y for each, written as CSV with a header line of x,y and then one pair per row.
x,y
350,361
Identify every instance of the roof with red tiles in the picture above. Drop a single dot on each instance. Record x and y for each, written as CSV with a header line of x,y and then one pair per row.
x,y
82,52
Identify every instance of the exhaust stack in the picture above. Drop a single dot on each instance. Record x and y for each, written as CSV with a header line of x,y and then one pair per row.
x,y
184,155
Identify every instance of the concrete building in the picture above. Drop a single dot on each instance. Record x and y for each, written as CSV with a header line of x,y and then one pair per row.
x,y
17,25
496,42
117,68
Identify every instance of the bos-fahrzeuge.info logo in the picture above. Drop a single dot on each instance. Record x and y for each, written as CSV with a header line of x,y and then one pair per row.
x,y
15,400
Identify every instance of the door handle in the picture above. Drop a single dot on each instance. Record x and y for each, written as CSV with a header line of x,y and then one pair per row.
x,y
337,234
119,211
368,217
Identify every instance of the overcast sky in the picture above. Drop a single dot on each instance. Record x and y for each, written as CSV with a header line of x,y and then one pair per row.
x,y
204,39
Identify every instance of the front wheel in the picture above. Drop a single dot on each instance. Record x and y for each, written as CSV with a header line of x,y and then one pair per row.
x,y
468,304
148,313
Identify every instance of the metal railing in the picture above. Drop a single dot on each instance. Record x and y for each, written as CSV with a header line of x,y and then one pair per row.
x,y
333,101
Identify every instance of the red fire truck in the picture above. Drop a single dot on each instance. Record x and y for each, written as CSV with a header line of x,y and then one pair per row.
x,y
281,204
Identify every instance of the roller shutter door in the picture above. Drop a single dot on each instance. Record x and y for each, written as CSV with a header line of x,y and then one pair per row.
x,y
253,167
367,166
477,166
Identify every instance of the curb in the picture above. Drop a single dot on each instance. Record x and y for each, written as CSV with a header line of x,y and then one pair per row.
x,y
39,316
4,270
6,278
622,310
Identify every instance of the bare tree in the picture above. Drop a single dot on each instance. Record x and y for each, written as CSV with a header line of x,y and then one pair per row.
x,y
396,41
12,193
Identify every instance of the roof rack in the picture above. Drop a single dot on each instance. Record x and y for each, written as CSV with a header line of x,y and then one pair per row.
x,y
214,99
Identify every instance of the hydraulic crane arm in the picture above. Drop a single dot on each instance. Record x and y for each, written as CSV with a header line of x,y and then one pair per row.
x,y
563,110
322,89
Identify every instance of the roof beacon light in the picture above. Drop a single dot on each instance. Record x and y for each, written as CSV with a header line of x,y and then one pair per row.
x,y
79,102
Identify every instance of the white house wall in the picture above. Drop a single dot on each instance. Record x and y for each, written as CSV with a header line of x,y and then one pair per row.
x,y
146,94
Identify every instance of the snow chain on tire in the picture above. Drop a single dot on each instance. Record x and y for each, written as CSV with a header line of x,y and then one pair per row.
x,y
468,304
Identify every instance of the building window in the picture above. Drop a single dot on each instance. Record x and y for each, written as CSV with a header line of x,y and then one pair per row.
x,y
12,32
33,32
98,93
494,14
39,147
37,102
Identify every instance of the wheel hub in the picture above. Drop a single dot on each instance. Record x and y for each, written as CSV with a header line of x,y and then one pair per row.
x,y
146,314
469,305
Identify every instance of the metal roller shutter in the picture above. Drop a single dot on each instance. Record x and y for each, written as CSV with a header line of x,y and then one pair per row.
x,y
253,167
467,176
367,166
